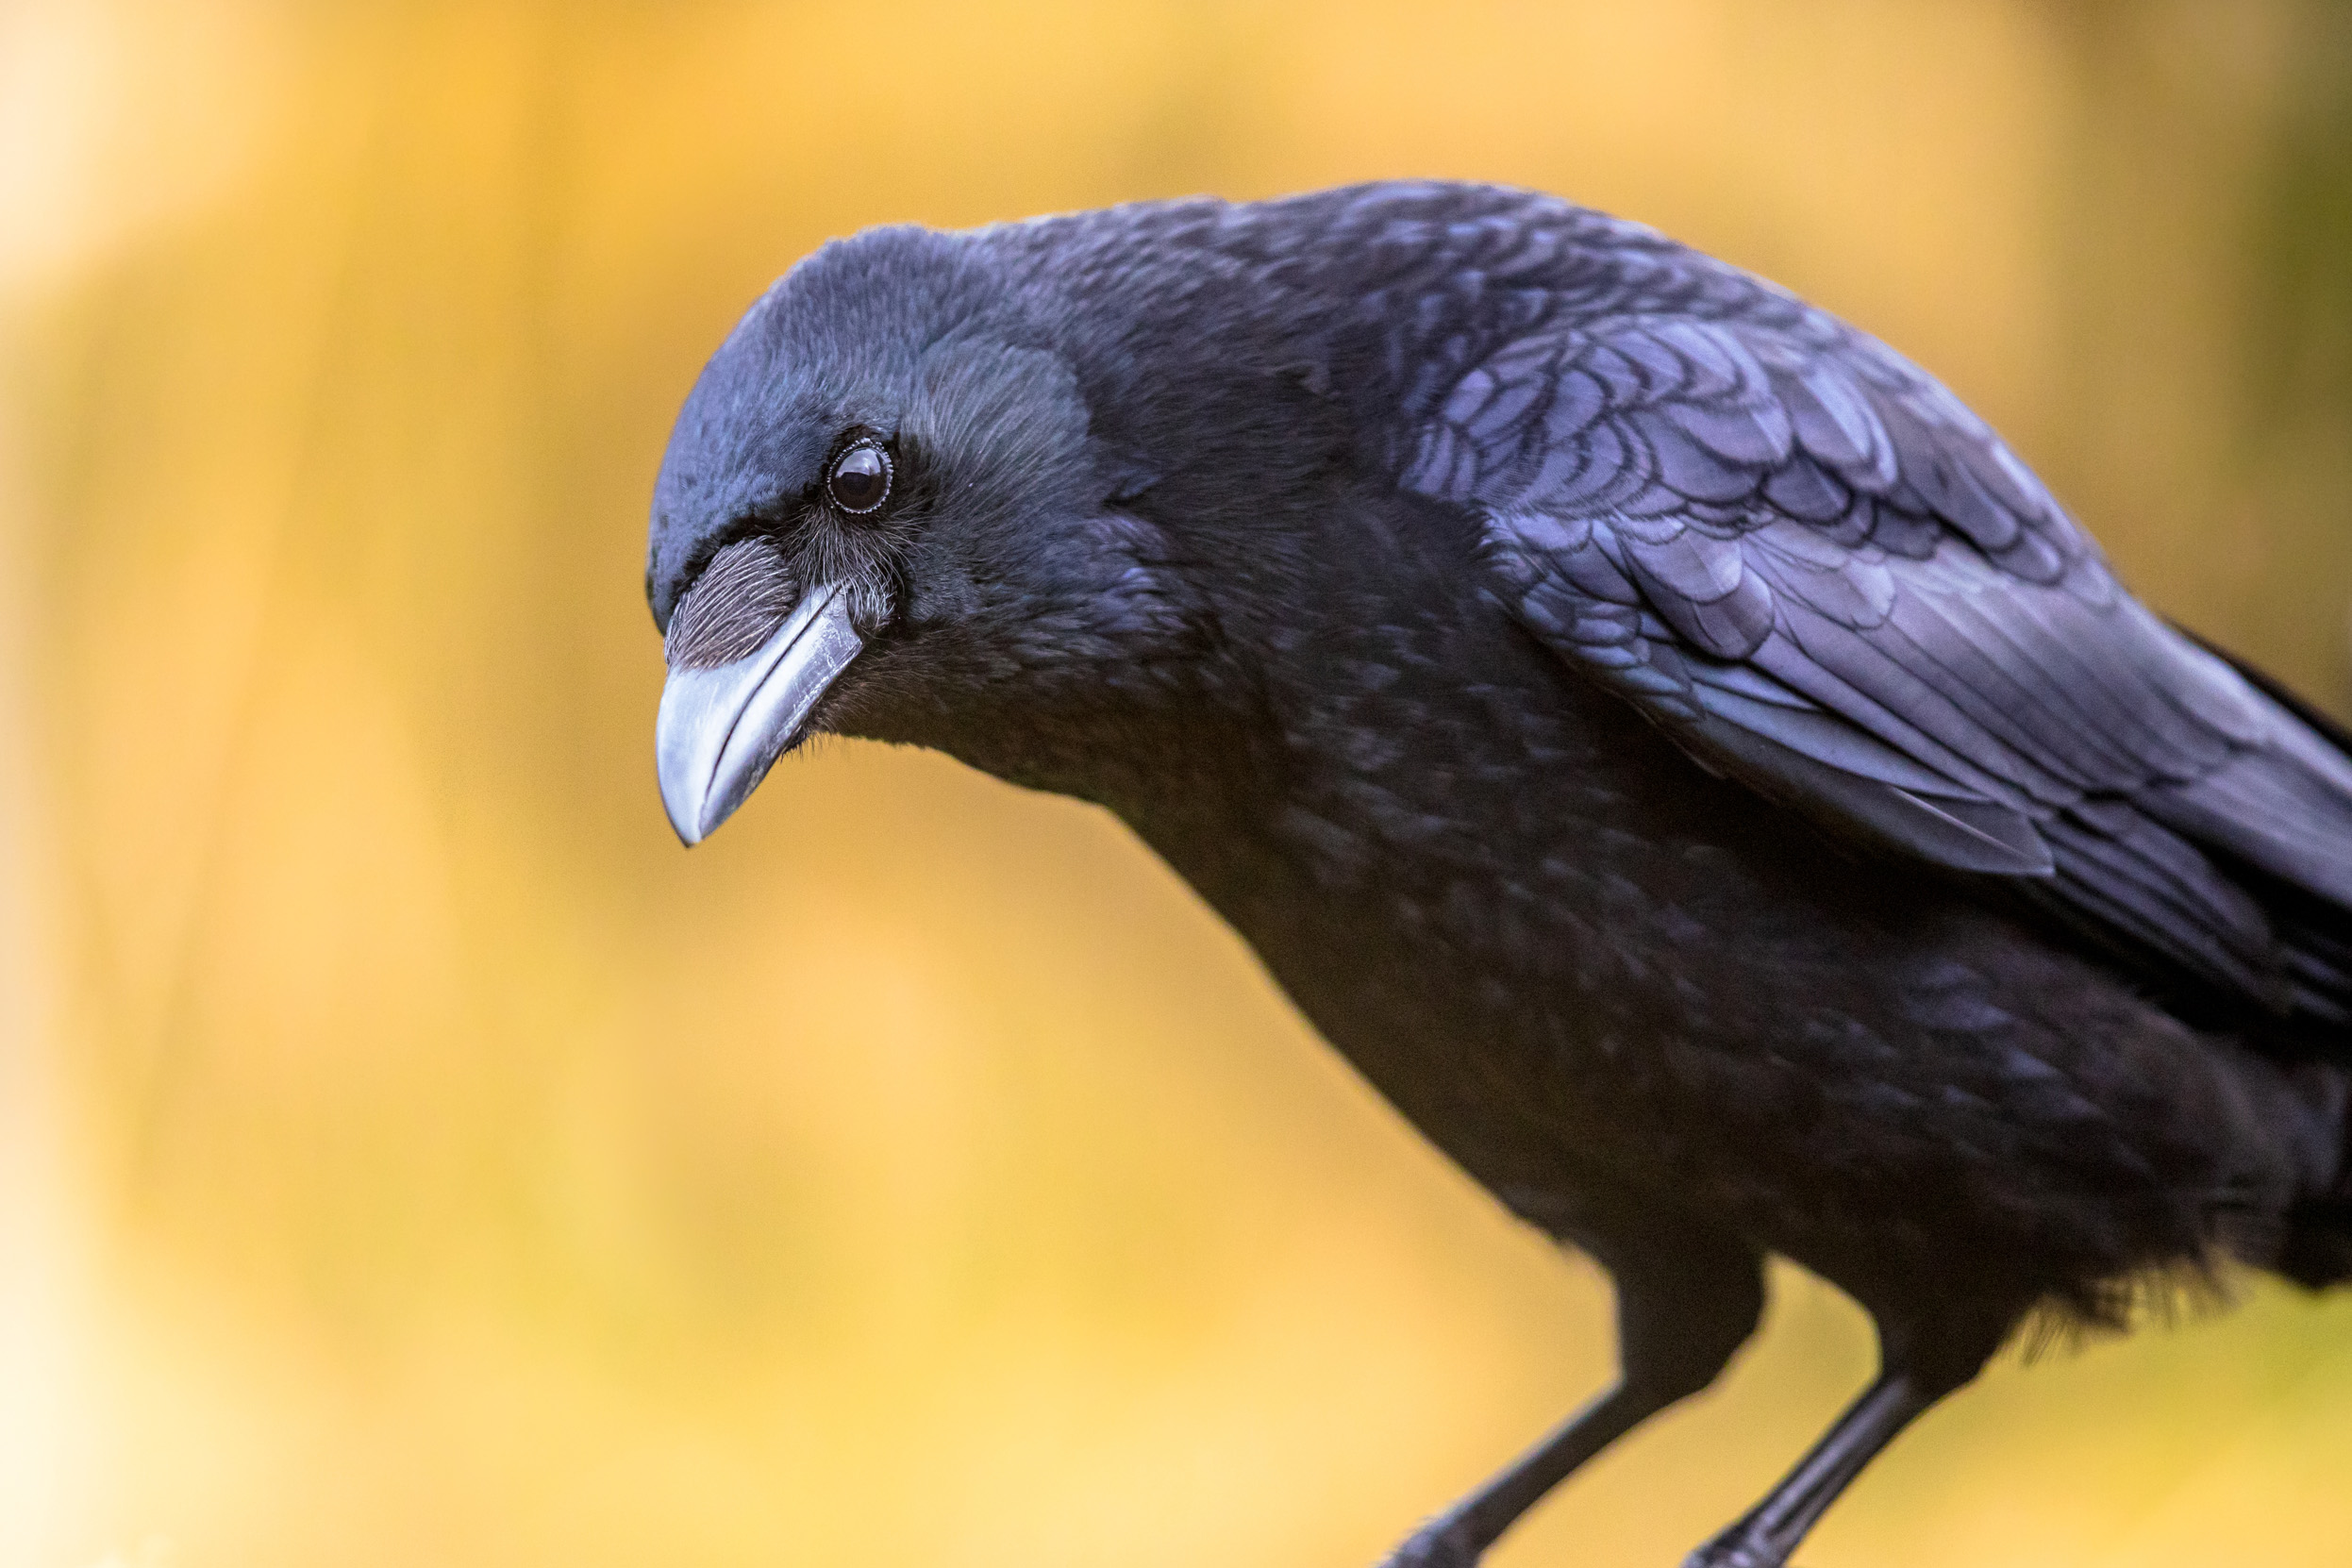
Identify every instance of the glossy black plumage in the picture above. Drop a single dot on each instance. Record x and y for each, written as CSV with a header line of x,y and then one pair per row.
x,y
1673,748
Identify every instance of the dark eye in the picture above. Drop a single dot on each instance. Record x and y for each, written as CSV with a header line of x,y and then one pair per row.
x,y
860,479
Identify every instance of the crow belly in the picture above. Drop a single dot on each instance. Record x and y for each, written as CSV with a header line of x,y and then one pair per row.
x,y
2043,1148
1912,1151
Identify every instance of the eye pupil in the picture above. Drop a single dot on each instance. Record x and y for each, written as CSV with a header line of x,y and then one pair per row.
x,y
860,480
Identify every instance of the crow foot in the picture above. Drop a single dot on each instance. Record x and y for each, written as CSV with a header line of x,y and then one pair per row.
x,y
1442,1542
1737,1549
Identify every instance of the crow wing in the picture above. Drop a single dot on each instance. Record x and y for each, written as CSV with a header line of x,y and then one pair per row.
x,y
1824,577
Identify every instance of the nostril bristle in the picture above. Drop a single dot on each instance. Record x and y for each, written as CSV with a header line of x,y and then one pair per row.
x,y
742,597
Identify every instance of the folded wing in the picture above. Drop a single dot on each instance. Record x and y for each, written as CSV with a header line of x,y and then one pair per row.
x,y
1826,578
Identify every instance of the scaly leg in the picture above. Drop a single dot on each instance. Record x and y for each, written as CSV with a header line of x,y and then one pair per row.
x,y
1688,1296
1917,1368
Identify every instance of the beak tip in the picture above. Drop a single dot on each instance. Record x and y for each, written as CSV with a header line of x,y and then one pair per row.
x,y
696,815
688,825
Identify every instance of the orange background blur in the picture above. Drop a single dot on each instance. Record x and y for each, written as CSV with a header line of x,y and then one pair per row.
x,y
408,1155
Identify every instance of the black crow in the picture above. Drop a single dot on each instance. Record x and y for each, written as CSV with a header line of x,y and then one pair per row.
x,y
1668,743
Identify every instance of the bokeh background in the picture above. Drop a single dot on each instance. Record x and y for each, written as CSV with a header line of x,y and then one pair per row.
x,y
408,1155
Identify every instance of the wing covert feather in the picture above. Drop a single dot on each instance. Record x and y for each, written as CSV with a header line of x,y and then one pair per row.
x,y
1824,576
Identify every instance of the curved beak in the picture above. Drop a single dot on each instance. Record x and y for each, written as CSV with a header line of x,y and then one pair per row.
x,y
722,727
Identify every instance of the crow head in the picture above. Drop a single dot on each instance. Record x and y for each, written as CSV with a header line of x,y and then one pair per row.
x,y
888,510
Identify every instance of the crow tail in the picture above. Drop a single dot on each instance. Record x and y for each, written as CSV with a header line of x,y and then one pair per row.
x,y
2316,1250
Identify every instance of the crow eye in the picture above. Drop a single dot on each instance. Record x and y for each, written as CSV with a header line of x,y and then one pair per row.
x,y
860,479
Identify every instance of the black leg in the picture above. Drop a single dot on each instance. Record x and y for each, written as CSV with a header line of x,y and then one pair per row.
x,y
1916,1371
1687,1298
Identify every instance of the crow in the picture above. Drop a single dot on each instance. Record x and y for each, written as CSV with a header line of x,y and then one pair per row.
x,y
1671,746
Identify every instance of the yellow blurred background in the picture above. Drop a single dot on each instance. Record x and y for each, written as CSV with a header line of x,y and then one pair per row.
x,y
408,1155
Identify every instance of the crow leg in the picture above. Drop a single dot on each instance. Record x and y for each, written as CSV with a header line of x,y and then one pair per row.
x,y
1686,1301
1915,1372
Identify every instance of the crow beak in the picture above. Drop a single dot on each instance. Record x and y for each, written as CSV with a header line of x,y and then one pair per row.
x,y
721,728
